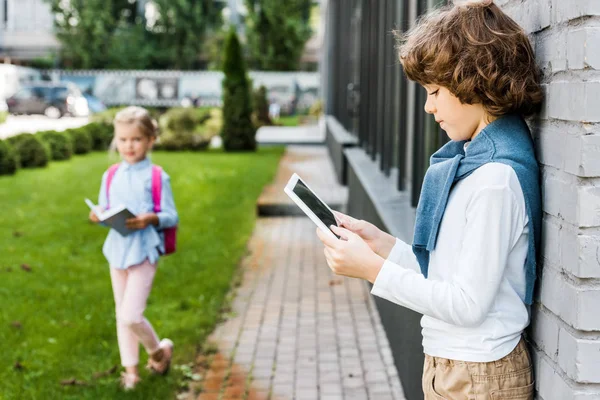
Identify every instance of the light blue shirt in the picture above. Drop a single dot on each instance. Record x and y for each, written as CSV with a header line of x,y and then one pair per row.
x,y
131,186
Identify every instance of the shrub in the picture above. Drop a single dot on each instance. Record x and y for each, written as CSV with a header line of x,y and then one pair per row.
x,y
61,147
260,116
82,140
102,135
31,151
316,109
238,131
3,116
185,129
8,158
107,116
214,124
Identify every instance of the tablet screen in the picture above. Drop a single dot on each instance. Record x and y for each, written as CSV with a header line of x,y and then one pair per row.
x,y
315,205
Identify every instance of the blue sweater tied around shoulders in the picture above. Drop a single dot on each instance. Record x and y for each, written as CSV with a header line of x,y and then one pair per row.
x,y
506,140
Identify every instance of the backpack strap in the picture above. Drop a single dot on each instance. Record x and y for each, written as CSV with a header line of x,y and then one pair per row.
x,y
111,174
156,187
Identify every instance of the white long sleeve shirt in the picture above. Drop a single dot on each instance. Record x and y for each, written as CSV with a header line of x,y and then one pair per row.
x,y
473,299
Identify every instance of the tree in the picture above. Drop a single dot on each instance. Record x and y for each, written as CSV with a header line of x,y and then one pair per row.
x,y
277,32
181,29
85,29
238,132
115,33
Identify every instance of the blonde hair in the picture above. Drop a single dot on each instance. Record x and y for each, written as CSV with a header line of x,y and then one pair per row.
x,y
140,117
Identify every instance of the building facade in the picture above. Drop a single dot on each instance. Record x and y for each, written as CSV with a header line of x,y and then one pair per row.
x,y
380,140
26,30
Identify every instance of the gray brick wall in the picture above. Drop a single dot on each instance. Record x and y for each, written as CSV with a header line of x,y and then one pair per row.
x,y
566,317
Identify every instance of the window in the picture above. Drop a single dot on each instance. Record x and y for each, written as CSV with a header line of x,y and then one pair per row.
x,y
5,12
369,94
24,94
60,93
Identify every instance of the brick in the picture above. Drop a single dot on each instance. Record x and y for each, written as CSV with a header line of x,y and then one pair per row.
x,y
208,396
567,10
553,385
573,101
577,306
564,247
579,358
580,48
545,330
550,246
559,197
589,206
564,196
573,147
532,15
588,257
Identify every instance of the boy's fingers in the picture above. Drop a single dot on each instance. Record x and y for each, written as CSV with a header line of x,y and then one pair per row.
x,y
326,239
345,234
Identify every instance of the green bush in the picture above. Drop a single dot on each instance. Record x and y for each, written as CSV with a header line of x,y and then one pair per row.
x,y
61,147
3,116
185,129
82,140
31,151
316,110
107,116
8,158
260,117
102,135
238,131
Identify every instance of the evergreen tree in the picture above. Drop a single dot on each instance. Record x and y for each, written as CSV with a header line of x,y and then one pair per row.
x,y
238,132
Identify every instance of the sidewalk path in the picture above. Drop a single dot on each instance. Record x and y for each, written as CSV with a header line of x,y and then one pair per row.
x,y
299,331
35,123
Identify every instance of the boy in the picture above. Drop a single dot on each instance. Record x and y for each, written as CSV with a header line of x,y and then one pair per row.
x,y
471,268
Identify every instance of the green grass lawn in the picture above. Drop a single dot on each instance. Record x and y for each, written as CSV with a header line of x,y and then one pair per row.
x,y
57,320
289,120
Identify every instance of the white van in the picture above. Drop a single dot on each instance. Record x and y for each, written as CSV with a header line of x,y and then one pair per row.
x,y
12,77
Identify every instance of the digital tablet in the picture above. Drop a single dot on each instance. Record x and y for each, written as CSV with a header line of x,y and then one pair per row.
x,y
311,204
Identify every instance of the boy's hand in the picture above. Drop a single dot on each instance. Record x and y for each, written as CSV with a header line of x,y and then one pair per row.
x,y
93,217
379,241
350,255
142,221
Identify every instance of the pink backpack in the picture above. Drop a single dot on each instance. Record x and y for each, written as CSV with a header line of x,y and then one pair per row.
x,y
170,234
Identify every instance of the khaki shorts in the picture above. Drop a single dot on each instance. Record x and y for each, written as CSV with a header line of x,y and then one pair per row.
x,y
510,377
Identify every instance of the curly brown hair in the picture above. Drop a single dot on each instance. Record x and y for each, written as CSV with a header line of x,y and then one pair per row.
x,y
476,51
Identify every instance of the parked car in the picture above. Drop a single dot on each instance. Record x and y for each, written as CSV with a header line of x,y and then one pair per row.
x,y
50,99
94,104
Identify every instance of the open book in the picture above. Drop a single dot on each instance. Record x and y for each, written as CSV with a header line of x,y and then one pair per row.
x,y
114,217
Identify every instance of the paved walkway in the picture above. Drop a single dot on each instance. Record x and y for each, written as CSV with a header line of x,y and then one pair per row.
x,y
35,123
306,134
299,332
312,164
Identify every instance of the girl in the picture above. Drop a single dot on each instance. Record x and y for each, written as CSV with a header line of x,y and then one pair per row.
x,y
133,258
472,265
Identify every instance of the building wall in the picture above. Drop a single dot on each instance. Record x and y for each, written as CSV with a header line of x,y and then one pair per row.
x,y
26,29
566,316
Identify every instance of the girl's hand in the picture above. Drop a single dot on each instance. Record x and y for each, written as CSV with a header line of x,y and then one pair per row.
x,y
379,241
351,255
93,217
142,221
